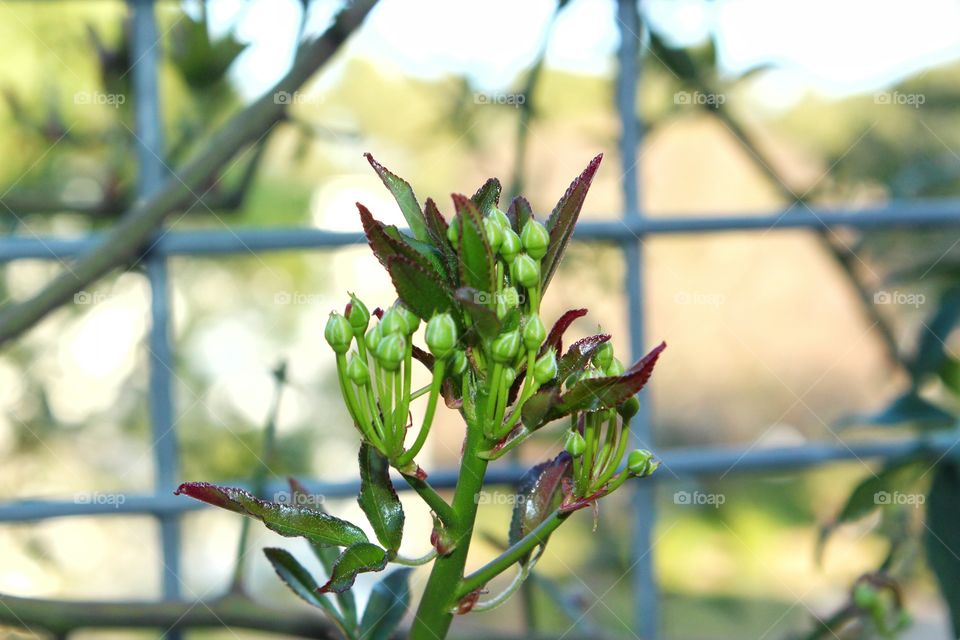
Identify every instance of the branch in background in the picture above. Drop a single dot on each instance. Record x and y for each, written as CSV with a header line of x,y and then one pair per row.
x,y
128,236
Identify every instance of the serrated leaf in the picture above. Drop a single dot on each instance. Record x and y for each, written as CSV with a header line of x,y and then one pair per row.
x,y
386,242
299,580
477,266
487,196
287,520
594,394
362,557
379,500
908,409
538,495
424,250
931,349
538,409
555,337
437,228
484,318
519,212
563,219
419,289
942,539
579,354
388,603
403,194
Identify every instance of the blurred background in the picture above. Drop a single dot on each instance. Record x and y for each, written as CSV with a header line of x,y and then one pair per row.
x,y
777,335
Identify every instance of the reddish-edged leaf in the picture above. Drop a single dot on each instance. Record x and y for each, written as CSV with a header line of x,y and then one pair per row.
x,y
437,228
539,493
287,520
519,212
475,303
477,266
403,194
419,289
578,355
386,242
594,394
564,218
555,337
487,196
362,557
379,500
539,408
299,580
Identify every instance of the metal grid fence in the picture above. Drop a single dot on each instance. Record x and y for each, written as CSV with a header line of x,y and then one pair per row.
x,y
628,234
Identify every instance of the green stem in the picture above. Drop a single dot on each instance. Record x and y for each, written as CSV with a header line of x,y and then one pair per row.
x,y
414,562
408,456
434,615
433,499
512,555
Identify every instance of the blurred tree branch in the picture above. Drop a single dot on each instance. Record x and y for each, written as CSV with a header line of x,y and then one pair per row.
x,y
128,236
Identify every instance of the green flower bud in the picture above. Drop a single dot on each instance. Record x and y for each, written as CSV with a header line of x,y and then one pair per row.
x,y
392,322
534,333
357,370
441,335
505,347
359,315
510,246
615,368
603,356
460,363
509,375
502,308
629,408
641,463
535,239
502,219
372,339
494,234
338,332
411,321
525,271
575,444
545,368
391,350
510,297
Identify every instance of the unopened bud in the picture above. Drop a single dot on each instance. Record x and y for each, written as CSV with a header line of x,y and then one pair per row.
x,y
441,335
535,239
575,445
534,333
510,246
373,337
641,463
603,356
615,368
629,408
392,322
357,370
390,351
494,234
505,347
338,333
459,363
359,315
545,368
411,321
525,271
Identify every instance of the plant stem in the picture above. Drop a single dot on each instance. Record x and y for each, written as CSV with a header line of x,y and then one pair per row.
x,y
433,499
434,614
412,452
512,555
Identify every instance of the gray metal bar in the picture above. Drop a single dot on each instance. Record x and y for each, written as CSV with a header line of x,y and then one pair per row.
x,y
643,578
151,174
245,240
681,461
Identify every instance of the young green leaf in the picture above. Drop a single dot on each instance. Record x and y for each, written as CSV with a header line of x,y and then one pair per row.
x,y
539,493
379,500
942,540
561,222
593,394
299,580
362,557
388,603
487,196
403,194
419,289
387,242
287,520
477,267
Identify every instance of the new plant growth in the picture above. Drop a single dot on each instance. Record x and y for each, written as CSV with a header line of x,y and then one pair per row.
x,y
474,286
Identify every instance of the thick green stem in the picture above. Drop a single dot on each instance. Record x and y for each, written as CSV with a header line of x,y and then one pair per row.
x,y
433,499
434,614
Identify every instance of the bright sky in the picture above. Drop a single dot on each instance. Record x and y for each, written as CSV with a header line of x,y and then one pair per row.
x,y
834,48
